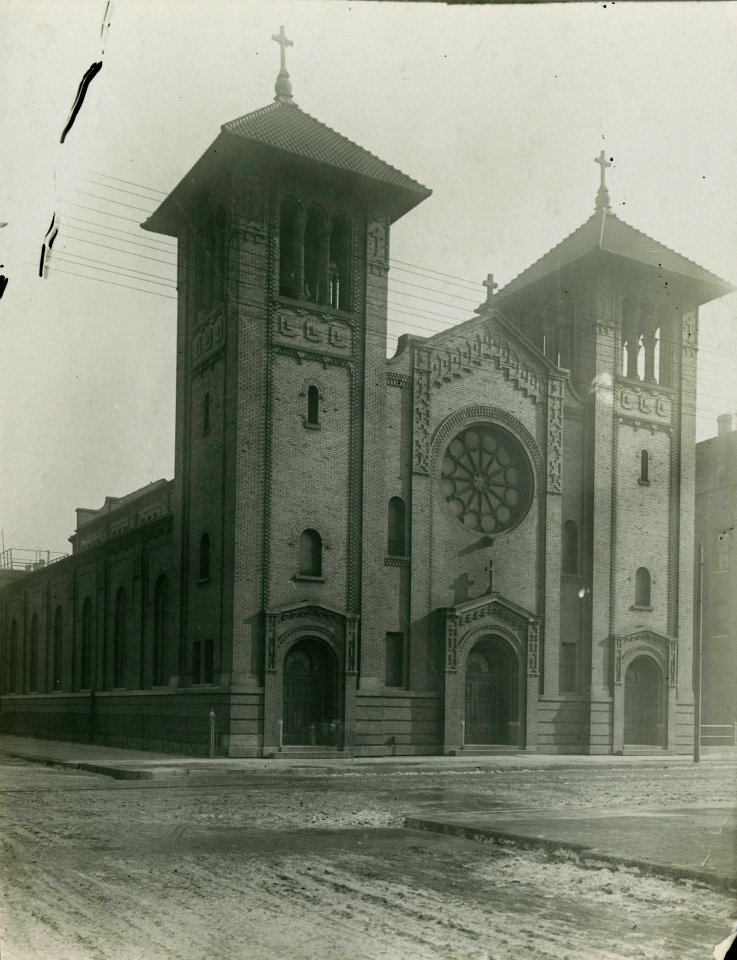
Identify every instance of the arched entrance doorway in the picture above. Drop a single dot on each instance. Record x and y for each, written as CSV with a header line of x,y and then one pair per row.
x,y
491,693
643,703
310,694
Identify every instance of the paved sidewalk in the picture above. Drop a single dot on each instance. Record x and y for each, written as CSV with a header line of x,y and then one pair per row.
x,y
696,843
146,765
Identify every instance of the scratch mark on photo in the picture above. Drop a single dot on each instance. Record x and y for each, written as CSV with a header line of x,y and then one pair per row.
x,y
81,93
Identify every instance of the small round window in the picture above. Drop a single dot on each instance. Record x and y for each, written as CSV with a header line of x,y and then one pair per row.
x,y
486,479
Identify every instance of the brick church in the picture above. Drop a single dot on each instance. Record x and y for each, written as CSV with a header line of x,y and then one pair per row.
x,y
483,543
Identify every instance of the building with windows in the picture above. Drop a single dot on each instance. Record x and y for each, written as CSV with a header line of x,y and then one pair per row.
x,y
716,522
482,543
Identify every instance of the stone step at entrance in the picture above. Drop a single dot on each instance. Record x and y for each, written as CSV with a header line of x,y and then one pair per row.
x,y
308,752
488,749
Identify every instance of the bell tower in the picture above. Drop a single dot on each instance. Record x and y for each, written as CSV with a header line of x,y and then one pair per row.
x,y
283,229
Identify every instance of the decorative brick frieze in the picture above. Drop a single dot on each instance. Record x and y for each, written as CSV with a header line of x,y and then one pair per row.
x,y
644,403
403,381
462,355
421,437
555,435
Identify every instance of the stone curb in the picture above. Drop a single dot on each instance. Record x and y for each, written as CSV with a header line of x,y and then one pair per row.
x,y
105,770
506,838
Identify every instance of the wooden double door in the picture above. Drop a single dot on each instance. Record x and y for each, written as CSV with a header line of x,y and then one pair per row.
x,y
310,694
491,693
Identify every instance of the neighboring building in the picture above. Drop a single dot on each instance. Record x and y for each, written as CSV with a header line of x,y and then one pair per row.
x,y
484,543
716,526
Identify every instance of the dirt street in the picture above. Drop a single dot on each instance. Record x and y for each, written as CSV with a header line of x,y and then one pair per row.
x,y
315,865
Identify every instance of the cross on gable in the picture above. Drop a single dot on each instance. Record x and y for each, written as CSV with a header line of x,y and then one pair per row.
x,y
281,39
491,286
489,568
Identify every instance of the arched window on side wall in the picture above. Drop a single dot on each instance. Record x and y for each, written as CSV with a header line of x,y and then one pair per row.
x,y
310,554
120,632
58,652
33,654
204,559
642,587
569,559
396,528
289,249
313,406
340,259
644,467
161,621
85,667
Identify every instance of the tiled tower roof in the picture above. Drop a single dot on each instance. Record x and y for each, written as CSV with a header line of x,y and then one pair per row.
x,y
605,231
284,127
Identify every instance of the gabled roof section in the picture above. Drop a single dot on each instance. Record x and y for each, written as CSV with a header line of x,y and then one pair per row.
x,y
606,232
283,126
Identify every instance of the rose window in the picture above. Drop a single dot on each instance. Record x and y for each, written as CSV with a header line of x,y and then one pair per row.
x,y
486,479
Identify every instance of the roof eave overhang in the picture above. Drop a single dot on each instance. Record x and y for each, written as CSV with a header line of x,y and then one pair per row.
x,y
704,289
168,218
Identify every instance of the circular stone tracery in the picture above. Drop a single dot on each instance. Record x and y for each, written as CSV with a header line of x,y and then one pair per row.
x,y
486,478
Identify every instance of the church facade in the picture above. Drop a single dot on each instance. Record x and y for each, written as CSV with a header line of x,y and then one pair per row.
x,y
483,543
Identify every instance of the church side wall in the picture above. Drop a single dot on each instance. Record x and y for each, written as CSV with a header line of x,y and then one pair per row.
x,y
135,714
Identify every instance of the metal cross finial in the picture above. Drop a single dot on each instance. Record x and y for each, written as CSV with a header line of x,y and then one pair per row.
x,y
603,164
490,287
602,197
281,39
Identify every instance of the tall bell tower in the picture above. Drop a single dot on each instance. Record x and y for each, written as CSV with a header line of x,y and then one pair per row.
x,y
283,229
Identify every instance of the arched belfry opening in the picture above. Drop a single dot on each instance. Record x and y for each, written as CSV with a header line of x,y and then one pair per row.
x,y
315,257
492,700
290,249
340,258
644,703
310,708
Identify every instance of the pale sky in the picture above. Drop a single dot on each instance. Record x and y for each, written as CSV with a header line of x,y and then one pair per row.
x,y
499,109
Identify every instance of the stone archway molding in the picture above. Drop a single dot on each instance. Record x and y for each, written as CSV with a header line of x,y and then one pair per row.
x,y
284,627
464,625
663,650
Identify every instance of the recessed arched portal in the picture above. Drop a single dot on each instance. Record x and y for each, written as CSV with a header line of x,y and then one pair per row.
x,y
491,693
310,707
643,703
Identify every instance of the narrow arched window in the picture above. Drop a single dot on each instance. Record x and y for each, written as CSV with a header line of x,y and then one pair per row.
x,y
313,406
315,256
120,636
340,258
396,528
310,554
644,467
569,558
33,654
12,660
289,252
161,622
58,649
642,587
204,565
85,667
206,413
